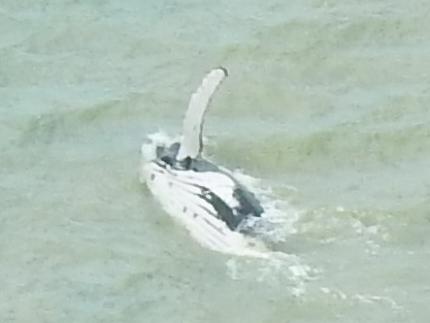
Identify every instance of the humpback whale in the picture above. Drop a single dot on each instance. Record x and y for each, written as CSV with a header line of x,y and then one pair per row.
x,y
216,209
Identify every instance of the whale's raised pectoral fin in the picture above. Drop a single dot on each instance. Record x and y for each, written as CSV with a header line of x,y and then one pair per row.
x,y
191,144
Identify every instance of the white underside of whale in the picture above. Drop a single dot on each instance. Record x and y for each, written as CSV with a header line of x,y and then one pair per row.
x,y
179,198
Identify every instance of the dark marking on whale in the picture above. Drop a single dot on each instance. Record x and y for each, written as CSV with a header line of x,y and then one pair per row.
x,y
233,216
219,230
249,205
168,156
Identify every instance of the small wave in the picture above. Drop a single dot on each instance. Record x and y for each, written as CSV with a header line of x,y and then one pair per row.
x,y
361,298
328,225
279,268
63,123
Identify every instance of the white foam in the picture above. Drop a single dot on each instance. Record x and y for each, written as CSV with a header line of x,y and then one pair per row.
x,y
279,218
289,271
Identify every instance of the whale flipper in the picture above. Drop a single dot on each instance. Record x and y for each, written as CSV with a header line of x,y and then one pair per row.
x,y
191,144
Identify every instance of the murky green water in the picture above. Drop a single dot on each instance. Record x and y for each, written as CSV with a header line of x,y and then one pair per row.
x,y
327,104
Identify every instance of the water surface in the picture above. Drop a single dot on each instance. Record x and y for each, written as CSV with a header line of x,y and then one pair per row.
x,y
326,103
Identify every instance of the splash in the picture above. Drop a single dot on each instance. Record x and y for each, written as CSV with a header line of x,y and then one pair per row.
x,y
276,223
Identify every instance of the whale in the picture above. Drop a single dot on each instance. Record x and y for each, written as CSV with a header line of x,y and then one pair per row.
x,y
207,199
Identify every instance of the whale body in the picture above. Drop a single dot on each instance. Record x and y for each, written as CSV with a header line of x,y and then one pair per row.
x,y
216,209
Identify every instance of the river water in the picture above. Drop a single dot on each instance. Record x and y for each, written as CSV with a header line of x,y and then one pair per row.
x,y
327,106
